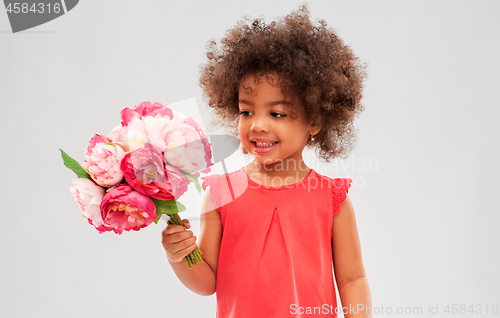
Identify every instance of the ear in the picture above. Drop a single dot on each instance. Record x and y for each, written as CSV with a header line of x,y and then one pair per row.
x,y
314,128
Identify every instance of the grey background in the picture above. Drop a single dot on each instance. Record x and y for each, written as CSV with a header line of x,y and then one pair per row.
x,y
427,210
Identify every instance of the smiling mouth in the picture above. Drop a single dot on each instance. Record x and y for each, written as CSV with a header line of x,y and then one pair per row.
x,y
264,144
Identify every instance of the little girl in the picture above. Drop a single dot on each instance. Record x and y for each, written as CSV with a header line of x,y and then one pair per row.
x,y
271,230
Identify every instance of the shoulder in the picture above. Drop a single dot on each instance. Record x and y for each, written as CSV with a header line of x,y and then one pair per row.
x,y
211,198
210,181
216,180
339,187
221,186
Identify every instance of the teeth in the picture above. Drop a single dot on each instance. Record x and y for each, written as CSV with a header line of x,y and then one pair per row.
x,y
267,144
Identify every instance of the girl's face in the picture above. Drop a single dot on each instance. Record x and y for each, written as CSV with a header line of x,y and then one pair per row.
x,y
265,127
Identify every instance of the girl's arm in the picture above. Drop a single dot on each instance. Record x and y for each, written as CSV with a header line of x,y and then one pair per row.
x,y
348,264
201,278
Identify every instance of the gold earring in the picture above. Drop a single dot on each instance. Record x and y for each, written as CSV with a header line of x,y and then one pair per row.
x,y
312,137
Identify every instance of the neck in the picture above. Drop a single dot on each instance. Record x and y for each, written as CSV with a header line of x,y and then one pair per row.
x,y
278,173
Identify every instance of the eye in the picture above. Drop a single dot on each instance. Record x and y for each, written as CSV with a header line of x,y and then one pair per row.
x,y
278,115
245,113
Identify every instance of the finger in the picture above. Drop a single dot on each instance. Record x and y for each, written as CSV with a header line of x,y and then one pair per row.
x,y
176,238
173,228
186,223
189,249
174,243
182,245
178,256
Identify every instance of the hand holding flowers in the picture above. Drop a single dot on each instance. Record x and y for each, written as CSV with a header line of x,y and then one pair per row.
x,y
132,177
178,241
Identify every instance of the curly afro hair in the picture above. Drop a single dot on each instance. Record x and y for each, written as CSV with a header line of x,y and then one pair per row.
x,y
310,61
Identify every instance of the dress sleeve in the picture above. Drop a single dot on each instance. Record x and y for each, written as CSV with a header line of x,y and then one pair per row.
x,y
340,188
213,182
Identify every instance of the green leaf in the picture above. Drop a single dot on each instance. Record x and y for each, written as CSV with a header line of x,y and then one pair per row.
x,y
158,216
194,178
109,143
167,207
74,166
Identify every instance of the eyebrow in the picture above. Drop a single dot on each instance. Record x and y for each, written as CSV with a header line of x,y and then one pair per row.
x,y
273,103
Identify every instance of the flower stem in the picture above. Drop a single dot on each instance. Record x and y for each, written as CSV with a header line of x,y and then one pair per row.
x,y
194,257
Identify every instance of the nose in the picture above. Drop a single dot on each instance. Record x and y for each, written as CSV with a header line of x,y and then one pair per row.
x,y
259,124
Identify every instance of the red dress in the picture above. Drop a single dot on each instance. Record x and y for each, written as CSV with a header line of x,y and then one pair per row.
x,y
276,255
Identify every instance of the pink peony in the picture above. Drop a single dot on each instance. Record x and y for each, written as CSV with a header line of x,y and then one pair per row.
x,y
186,149
206,145
130,138
144,170
124,209
177,180
145,109
96,139
88,195
103,164
119,136
148,129
139,131
182,140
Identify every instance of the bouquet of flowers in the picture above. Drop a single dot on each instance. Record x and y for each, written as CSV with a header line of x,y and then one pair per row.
x,y
134,176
